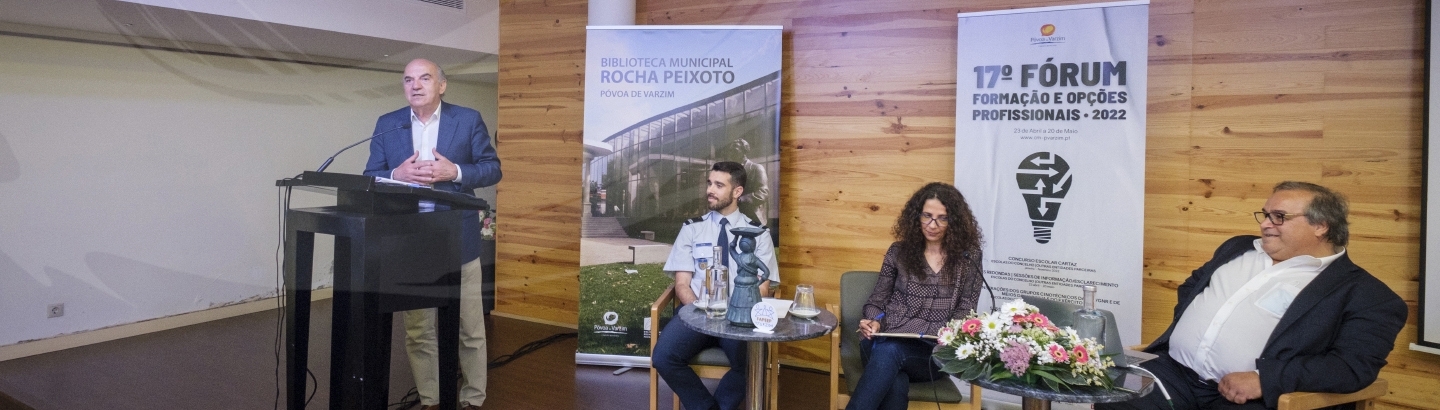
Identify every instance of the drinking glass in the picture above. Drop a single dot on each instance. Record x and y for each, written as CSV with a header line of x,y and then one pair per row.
x,y
702,301
702,263
804,302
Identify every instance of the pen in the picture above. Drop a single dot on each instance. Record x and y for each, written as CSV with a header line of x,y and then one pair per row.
x,y
877,319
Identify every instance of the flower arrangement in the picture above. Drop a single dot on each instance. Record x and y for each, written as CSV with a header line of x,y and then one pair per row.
x,y
487,225
1019,342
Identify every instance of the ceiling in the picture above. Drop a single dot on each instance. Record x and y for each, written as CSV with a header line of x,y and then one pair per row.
x,y
144,25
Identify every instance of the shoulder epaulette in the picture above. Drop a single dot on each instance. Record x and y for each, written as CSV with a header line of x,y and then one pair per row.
x,y
695,220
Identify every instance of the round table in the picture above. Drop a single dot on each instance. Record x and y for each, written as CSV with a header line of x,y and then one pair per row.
x,y
790,328
1128,385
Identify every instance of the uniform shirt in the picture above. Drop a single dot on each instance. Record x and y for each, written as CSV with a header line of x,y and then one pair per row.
x,y
698,236
1226,327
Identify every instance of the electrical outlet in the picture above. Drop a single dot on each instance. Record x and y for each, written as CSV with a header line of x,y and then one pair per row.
x,y
56,310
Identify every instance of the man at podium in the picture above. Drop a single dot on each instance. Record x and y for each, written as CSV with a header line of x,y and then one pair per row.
x,y
448,148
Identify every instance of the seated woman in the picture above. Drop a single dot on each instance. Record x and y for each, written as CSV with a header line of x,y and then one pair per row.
x,y
930,275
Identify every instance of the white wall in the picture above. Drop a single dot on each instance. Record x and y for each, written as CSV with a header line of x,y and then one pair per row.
x,y
137,184
406,20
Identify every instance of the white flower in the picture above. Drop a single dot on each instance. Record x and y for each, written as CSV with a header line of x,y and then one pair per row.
x,y
965,351
991,325
1014,307
947,335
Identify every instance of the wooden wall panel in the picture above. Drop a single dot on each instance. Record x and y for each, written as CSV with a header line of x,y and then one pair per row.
x,y
542,58
1242,94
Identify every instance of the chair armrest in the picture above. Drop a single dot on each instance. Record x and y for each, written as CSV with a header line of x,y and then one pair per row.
x,y
666,299
834,359
1310,400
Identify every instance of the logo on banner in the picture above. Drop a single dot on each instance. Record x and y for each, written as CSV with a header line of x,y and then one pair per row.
x,y
1044,179
1047,37
610,327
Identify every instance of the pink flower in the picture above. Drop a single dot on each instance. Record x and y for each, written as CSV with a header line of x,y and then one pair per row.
x,y
1019,319
1059,354
1016,358
1038,319
971,326
1082,356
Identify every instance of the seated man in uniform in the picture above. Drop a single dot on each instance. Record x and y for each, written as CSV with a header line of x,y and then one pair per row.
x,y
678,343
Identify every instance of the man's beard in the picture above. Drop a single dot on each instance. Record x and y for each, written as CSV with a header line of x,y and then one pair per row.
x,y
721,203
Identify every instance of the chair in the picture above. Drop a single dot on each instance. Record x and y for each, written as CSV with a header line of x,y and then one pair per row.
x,y
1363,399
710,363
855,288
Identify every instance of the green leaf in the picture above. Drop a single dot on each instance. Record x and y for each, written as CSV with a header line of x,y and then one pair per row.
x,y
1001,375
957,366
975,372
1051,384
1051,380
1069,378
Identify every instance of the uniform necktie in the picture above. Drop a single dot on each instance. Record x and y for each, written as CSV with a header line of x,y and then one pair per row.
x,y
724,242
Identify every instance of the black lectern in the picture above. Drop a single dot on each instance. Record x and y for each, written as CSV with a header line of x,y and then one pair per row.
x,y
389,257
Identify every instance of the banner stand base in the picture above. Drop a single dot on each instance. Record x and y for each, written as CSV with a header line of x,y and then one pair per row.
x,y
612,360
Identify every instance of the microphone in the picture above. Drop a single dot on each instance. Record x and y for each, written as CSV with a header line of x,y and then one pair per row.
x,y
406,125
993,307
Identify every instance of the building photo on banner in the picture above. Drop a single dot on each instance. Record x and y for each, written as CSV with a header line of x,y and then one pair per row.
x,y
1050,151
662,104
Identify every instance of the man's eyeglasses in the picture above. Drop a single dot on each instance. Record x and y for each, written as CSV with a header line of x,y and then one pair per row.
x,y
926,219
1275,217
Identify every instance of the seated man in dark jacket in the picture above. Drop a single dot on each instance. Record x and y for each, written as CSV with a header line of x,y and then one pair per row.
x,y
1287,311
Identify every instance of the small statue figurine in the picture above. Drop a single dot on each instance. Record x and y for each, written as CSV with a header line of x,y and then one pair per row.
x,y
748,268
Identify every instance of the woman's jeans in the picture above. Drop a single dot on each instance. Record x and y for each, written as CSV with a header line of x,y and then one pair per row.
x,y
890,365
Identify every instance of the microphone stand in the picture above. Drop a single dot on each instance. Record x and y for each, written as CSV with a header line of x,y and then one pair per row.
x,y
337,153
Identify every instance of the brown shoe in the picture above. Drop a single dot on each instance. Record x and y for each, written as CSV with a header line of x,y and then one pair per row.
x,y
430,407
468,406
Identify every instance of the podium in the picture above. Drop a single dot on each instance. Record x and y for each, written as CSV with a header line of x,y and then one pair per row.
x,y
389,257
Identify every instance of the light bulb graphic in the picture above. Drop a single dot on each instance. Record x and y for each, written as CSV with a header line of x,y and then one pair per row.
x,y
1044,179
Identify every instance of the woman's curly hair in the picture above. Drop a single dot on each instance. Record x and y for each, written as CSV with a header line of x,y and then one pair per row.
x,y
962,233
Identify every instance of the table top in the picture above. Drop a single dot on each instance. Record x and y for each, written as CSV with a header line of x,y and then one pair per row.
x,y
1128,385
788,329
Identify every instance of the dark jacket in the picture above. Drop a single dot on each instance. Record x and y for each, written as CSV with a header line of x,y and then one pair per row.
x,y
1333,338
463,139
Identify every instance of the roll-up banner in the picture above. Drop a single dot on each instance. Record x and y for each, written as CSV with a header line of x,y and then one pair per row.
x,y
1050,150
662,104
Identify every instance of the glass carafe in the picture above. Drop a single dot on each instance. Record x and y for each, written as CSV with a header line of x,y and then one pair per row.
x,y
718,288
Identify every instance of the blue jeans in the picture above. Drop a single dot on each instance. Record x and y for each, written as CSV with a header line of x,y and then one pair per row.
x,y
671,358
890,365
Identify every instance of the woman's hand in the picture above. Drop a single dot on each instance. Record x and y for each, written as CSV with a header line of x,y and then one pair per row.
x,y
868,327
